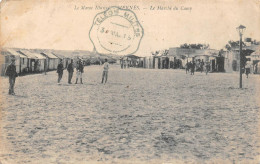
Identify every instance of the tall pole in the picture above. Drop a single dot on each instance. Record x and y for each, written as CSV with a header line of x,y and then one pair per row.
x,y
240,65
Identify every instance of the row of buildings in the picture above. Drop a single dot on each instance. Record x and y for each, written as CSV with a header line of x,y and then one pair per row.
x,y
251,57
29,62
177,58
38,60
33,61
219,61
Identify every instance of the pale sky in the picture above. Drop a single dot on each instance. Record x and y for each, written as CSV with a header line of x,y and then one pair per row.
x,y
57,25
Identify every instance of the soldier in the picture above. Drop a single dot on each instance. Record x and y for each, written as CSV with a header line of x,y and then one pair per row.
x,y
11,72
70,71
60,71
80,70
105,71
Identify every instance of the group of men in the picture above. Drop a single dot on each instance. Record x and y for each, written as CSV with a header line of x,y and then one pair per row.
x,y
70,69
80,70
190,66
124,63
12,74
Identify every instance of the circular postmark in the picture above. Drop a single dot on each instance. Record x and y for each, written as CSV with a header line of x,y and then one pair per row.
x,y
116,31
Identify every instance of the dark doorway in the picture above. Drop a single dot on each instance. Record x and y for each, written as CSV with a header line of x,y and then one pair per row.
x,y
213,65
220,64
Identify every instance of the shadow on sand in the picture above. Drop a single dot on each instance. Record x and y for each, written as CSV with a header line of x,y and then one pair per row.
x,y
20,96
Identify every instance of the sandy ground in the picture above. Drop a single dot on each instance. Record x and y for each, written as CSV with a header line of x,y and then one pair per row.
x,y
139,116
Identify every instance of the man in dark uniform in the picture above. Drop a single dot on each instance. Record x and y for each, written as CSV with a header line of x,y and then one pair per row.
x,y
70,71
60,71
11,72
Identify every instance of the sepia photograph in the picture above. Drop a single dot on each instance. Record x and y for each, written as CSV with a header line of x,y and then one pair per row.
x,y
129,82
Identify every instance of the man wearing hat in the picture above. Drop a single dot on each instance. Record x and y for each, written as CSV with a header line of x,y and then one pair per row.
x,y
105,71
60,71
70,71
80,70
11,72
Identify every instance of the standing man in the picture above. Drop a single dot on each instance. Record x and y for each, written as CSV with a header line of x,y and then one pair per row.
x,y
187,67
192,68
105,71
11,72
124,64
201,66
121,63
45,67
247,67
80,70
255,68
60,71
70,71
207,68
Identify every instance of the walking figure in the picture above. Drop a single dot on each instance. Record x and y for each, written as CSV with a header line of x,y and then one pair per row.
x,y
70,71
105,71
11,72
60,71
80,70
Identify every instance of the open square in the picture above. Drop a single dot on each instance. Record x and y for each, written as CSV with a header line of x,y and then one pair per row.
x,y
139,115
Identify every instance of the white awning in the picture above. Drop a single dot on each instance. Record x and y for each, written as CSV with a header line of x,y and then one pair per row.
x,y
28,54
32,55
15,53
39,56
50,55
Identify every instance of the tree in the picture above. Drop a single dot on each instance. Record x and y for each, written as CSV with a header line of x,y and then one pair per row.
x,y
228,47
185,46
165,52
233,44
221,52
206,46
155,53
194,46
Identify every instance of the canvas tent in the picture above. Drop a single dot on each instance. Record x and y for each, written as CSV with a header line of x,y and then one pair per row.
x,y
20,60
35,61
52,61
65,60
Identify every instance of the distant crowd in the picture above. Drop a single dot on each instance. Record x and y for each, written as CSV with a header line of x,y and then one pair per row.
x,y
201,66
